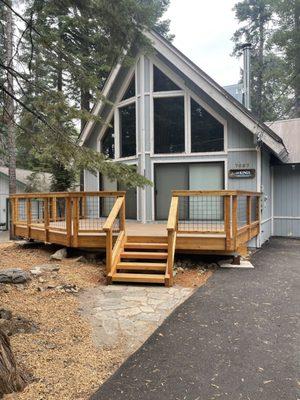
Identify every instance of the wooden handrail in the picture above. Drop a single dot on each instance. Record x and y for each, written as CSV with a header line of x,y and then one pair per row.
x,y
173,214
172,227
113,214
69,194
113,252
185,193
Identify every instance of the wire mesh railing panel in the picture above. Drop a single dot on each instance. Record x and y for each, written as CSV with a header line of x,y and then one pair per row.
x,y
241,211
57,212
93,212
201,214
254,216
37,211
22,210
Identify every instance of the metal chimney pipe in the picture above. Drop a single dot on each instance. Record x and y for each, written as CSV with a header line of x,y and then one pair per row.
x,y
246,47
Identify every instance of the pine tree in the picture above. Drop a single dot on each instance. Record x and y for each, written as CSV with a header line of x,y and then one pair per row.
x,y
268,77
287,38
69,54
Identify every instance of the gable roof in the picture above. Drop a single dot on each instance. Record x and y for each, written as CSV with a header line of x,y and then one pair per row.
x,y
209,86
22,176
289,131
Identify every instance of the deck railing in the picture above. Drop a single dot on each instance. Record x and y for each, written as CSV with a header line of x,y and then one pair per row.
x,y
69,213
235,214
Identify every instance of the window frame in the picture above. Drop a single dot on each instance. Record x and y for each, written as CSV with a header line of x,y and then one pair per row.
x,y
165,94
188,95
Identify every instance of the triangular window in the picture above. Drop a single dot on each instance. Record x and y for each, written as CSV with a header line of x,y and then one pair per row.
x,y
161,83
130,92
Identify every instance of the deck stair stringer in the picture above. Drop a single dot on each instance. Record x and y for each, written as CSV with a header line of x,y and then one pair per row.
x,y
142,262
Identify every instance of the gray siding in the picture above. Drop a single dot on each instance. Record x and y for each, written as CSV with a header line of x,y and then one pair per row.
x,y
287,200
266,202
242,159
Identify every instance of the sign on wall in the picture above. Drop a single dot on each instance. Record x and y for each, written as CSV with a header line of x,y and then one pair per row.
x,y
242,173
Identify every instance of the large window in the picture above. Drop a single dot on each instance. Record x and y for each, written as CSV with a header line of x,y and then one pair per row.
x,y
108,143
161,82
130,92
169,125
127,130
207,132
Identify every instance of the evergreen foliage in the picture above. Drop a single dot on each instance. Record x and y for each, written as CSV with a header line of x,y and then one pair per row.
x,y
271,27
66,53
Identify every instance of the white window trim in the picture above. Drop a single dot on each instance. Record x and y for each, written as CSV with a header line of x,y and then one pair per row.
x,y
188,161
188,95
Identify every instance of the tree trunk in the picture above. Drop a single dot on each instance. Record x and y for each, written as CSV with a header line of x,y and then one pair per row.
x,y
297,59
11,380
9,108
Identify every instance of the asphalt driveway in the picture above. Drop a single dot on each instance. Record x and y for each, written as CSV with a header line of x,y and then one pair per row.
x,y
235,338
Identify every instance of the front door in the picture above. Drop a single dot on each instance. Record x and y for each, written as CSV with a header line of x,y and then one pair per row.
x,y
194,176
168,177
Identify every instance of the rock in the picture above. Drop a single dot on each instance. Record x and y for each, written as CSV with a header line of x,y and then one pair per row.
x,y
59,254
14,275
39,269
68,288
5,314
81,259
41,280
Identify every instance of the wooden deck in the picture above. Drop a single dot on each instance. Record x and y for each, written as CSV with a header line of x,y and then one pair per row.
x,y
199,222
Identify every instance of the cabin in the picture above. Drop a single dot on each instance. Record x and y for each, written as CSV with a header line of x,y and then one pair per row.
x,y
217,173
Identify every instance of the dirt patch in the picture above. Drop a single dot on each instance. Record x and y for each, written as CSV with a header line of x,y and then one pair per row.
x,y
59,355
192,278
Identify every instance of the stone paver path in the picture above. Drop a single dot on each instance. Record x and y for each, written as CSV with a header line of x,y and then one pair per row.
x,y
129,313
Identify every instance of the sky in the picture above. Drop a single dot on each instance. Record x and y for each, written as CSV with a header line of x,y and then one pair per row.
x,y
203,31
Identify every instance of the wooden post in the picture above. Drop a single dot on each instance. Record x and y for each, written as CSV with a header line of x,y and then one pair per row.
x,y
108,250
54,209
75,221
46,219
28,204
68,218
249,202
234,220
84,207
122,215
227,226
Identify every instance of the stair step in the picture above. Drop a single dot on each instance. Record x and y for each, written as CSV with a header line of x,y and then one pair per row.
x,y
128,277
146,246
142,266
144,255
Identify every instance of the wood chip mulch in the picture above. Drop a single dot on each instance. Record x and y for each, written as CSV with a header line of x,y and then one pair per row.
x,y
60,357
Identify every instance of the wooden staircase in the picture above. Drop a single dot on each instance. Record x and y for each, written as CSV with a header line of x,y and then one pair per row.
x,y
139,259
142,263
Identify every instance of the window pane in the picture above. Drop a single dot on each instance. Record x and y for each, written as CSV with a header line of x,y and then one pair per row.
x,y
162,82
169,125
130,92
108,143
207,132
127,131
